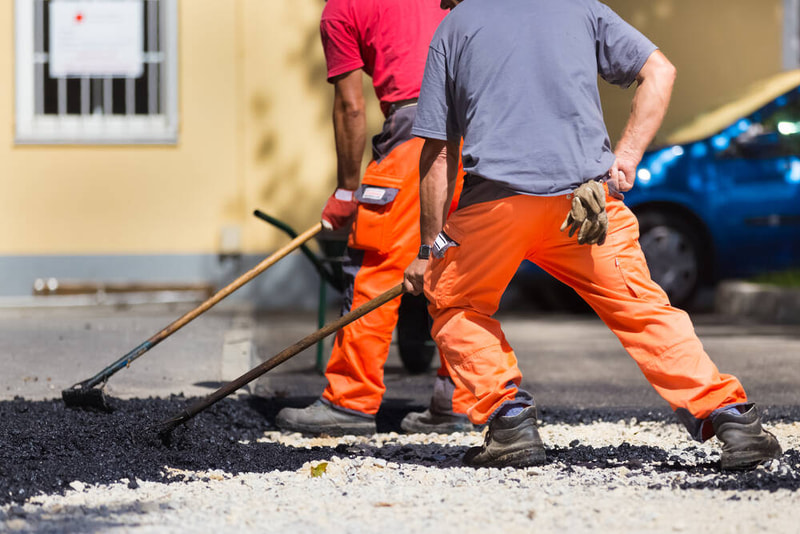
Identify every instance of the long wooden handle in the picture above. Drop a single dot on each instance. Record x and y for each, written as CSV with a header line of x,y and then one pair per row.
x,y
279,358
185,319
262,266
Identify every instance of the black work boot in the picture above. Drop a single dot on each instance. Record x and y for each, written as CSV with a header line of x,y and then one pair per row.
x,y
430,422
439,417
745,444
510,442
321,418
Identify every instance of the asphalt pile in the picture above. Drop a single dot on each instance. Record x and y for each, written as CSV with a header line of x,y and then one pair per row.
x,y
45,448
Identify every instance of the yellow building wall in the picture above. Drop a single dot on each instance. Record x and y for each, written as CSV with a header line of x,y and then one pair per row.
x,y
84,199
718,46
289,153
255,128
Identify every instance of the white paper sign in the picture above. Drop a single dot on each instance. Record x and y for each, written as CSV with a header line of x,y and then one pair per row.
x,y
96,38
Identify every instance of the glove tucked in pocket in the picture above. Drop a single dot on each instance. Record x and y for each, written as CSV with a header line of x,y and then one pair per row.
x,y
588,214
372,229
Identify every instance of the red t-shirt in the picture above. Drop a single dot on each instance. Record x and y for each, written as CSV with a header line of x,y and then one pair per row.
x,y
388,39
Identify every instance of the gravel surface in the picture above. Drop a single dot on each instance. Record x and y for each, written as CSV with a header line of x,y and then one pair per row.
x,y
66,470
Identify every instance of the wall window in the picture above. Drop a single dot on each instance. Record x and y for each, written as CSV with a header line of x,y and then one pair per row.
x,y
96,71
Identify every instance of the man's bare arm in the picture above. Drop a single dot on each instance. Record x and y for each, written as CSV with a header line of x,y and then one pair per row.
x,y
349,127
350,132
438,167
435,187
650,103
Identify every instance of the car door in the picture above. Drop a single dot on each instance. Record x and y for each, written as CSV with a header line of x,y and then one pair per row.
x,y
757,190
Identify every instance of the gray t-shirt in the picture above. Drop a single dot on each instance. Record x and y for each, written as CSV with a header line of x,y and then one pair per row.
x,y
517,79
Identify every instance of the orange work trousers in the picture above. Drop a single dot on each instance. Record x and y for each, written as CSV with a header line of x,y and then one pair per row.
x,y
464,289
382,243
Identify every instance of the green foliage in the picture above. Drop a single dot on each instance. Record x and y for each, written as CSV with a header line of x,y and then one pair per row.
x,y
790,278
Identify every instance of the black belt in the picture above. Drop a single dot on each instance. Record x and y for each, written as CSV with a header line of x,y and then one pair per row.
x,y
394,106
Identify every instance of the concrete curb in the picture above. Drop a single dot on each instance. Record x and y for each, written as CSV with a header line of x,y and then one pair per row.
x,y
759,302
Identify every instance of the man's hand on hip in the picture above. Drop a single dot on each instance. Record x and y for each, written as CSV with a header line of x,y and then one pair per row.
x,y
340,210
588,215
622,174
414,277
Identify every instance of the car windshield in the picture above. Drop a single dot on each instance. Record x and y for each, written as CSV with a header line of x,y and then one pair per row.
x,y
751,99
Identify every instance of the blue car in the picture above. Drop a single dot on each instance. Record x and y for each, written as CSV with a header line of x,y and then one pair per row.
x,y
721,198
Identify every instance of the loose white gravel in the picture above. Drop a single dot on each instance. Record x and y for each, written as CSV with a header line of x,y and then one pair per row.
x,y
359,492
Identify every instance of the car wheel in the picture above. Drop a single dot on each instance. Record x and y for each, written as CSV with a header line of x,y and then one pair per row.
x,y
673,254
562,298
414,341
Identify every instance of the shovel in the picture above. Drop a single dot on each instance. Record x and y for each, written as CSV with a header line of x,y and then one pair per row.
x,y
87,394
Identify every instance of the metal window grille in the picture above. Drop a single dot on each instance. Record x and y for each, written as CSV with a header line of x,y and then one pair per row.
x,y
90,109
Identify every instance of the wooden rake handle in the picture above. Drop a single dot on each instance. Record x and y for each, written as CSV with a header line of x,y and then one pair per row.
x,y
188,317
262,266
166,426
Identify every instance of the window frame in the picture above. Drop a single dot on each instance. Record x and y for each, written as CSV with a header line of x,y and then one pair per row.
x,y
130,129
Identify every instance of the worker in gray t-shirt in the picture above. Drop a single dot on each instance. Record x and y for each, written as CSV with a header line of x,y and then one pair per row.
x,y
517,79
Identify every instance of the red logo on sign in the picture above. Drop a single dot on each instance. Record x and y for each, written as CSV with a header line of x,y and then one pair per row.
x,y
79,18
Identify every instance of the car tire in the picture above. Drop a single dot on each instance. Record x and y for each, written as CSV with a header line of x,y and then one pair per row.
x,y
562,298
674,254
414,343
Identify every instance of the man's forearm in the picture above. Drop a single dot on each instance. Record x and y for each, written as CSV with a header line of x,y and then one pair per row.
x,y
650,103
350,129
433,188
433,195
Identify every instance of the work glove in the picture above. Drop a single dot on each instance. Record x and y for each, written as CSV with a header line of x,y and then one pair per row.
x,y
588,214
340,210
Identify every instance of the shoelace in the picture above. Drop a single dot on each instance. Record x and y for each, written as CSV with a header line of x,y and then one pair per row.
x,y
488,438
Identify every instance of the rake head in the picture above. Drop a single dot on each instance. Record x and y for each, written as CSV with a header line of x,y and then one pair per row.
x,y
164,429
91,398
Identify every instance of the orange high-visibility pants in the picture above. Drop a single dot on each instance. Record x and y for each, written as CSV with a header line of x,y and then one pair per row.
x,y
464,289
383,242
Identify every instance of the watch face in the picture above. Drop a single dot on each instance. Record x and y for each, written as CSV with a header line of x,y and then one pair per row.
x,y
424,252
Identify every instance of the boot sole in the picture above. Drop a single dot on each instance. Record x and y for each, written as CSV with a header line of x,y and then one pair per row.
x,y
422,428
520,458
746,460
365,429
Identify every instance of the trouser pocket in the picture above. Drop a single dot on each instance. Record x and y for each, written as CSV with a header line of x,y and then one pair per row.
x,y
372,229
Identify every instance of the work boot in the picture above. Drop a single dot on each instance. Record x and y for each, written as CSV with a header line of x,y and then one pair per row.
x,y
745,444
429,422
322,418
439,417
511,441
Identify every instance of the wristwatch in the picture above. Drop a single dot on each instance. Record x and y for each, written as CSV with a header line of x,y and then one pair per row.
x,y
424,252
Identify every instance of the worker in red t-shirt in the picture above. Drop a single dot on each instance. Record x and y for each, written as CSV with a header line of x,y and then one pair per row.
x,y
388,40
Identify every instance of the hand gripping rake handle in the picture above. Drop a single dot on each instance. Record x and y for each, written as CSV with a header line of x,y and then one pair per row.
x,y
166,426
126,360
